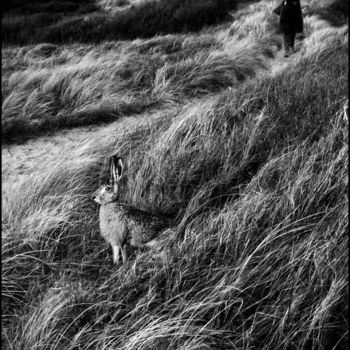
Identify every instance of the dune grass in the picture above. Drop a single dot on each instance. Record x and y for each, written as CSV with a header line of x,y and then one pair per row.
x,y
67,22
255,178
47,87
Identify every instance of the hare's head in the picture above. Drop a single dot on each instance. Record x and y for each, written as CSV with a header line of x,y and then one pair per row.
x,y
109,192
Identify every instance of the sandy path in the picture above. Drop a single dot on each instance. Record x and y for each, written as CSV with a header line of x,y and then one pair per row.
x,y
19,161
31,156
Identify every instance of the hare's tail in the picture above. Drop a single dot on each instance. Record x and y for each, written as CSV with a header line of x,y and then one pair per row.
x,y
166,235
152,244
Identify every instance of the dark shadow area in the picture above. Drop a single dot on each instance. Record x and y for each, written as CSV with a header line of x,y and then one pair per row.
x,y
16,131
25,21
30,7
337,13
28,22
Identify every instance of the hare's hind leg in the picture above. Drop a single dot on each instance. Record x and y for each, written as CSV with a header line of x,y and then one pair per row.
x,y
124,254
116,250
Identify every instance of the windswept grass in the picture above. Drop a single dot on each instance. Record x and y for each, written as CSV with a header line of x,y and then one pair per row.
x,y
140,20
252,165
47,87
257,178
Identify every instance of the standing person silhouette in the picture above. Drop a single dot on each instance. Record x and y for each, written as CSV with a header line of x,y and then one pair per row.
x,y
291,22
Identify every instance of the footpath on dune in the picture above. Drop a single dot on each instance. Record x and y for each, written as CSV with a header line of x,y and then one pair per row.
x,y
21,160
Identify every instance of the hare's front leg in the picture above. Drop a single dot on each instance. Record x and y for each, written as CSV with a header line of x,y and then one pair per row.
x,y
116,250
124,254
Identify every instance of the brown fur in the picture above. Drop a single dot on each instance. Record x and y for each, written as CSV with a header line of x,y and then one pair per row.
x,y
122,225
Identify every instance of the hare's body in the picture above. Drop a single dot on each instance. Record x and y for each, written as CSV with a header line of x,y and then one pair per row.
x,y
122,225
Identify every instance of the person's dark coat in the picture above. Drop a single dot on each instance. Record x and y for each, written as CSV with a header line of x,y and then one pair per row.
x,y
291,18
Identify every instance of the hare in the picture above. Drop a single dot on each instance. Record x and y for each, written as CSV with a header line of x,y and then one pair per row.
x,y
120,224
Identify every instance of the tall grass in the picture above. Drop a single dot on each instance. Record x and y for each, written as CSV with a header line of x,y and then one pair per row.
x,y
257,177
47,87
142,19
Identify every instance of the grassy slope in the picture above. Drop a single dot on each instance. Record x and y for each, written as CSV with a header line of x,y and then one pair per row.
x,y
257,176
47,87
78,21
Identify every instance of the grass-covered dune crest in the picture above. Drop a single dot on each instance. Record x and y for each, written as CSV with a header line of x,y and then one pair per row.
x,y
59,24
61,87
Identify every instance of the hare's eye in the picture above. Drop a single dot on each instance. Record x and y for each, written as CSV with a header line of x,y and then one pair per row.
x,y
108,188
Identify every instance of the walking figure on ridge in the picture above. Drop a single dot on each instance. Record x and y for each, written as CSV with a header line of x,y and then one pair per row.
x,y
291,22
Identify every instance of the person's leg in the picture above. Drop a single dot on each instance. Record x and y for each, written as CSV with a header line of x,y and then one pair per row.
x,y
287,44
292,35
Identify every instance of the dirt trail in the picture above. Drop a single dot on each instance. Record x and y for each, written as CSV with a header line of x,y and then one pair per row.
x,y
24,159
19,161
280,62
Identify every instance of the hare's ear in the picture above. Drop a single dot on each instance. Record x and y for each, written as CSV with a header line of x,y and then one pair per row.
x,y
115,169
119,168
